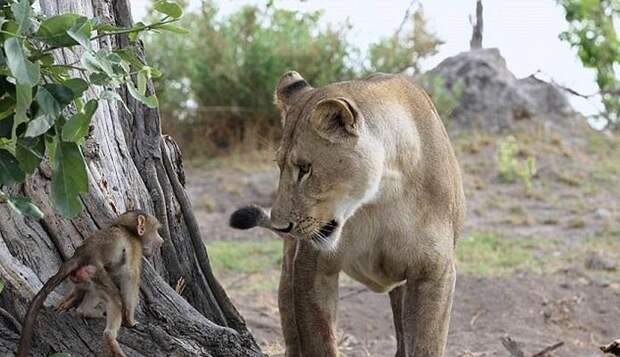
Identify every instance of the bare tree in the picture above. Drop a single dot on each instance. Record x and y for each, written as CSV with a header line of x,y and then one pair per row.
x,y
476,37
130,164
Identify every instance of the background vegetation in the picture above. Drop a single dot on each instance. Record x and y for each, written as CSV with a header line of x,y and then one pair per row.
x,y
591,31
219,79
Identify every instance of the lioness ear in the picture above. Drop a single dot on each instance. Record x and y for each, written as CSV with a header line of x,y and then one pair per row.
x,y
335,119
140,225
290,84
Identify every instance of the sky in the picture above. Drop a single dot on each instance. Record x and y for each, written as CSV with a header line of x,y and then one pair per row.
x,y
525,31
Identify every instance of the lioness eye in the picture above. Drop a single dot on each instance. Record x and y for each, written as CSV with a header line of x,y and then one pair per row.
x,y
303,171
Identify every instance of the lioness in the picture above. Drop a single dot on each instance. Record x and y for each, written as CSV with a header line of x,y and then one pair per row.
x,y
369,185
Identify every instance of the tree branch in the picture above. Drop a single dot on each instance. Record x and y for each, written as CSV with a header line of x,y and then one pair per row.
x,y
405,18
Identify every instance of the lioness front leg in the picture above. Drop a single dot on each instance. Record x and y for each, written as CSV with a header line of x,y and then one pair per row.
x,y
315,295
426,315
286,302
397,299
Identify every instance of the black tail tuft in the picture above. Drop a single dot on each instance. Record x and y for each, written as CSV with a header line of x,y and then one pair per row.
x,y
246,217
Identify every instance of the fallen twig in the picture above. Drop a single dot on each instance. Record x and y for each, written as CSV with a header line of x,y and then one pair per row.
x,y
512,346
476,316
544,352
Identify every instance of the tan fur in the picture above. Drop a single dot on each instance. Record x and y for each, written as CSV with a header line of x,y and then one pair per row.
x,y
381,166
105,270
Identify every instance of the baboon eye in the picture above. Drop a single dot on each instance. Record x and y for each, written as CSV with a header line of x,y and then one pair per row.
x,y
304,170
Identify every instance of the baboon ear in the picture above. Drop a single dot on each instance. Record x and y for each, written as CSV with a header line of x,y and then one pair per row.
x,y
140,226
290,84
335,119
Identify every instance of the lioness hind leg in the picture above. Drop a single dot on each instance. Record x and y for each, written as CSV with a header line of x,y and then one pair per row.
x,y
397,299
426,314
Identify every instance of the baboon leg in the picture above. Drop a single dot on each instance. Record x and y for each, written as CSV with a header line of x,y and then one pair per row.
x,y
71,300
114,312
91,306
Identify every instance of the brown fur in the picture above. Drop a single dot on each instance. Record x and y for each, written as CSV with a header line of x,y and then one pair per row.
x,y
380,165
104,269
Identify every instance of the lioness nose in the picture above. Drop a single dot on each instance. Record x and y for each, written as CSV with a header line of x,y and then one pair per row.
x,y
287,229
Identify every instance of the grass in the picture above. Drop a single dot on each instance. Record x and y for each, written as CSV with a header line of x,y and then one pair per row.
x,y
256,263
488,254
481,253
245,257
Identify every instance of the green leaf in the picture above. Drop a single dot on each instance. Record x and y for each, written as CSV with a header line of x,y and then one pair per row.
x,y
24,206
29,153
142,77
24,71
77,86
24,98
21,12
169,8
172,28
100,79
133,36
47,59
150,101
97,63
69,179
111,95
53,98
7,107
1,285
80,32
129,55
9,169
53,30
60,354
76,128
11,27
39,125
106,27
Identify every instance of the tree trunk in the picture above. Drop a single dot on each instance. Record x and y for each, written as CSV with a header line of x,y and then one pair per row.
x,y
130,165
476,36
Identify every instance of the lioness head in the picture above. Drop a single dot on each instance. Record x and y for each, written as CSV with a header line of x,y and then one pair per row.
x,y
329,164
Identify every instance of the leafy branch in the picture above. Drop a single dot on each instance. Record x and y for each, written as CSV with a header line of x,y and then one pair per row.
x,y
44,109
592,32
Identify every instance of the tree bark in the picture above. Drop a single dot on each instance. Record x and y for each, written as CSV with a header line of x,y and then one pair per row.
x,y
130,165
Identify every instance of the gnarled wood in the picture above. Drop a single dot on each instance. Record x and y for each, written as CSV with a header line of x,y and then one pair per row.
x,y
130,165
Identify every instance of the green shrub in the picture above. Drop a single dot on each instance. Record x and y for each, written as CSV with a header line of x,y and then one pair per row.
x,y
510,168
445,99
223,74
591,30
404,50
219,79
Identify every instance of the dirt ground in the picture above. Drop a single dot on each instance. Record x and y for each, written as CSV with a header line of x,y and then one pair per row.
x,y
538,265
